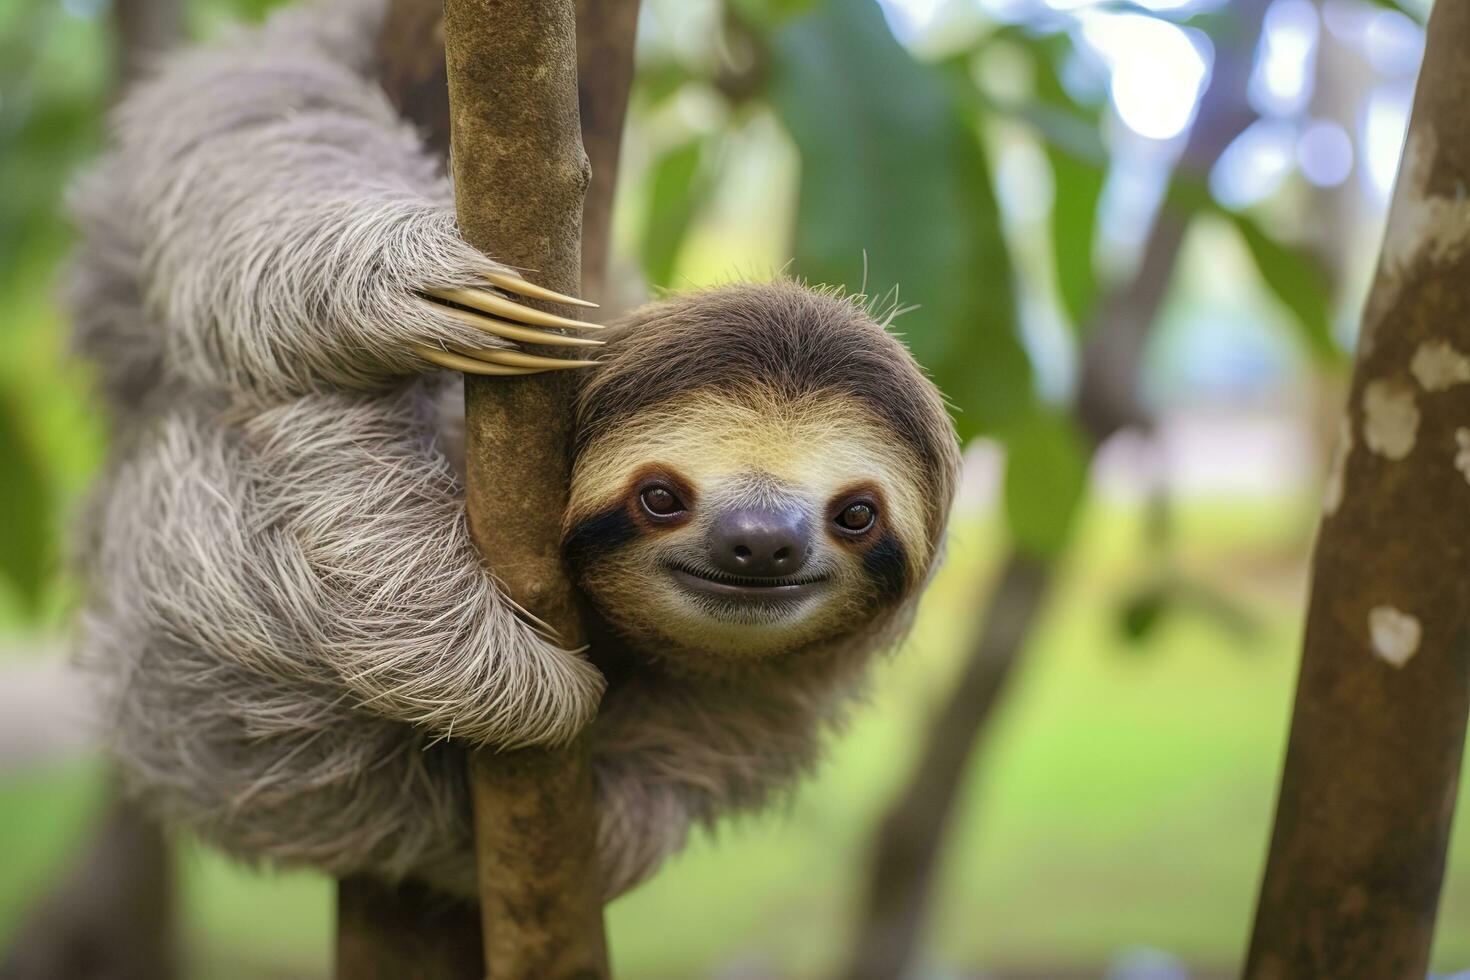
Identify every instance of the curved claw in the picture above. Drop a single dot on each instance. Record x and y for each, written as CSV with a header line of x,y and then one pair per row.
x,y
488,302
469,365
520,359
512,283
513,331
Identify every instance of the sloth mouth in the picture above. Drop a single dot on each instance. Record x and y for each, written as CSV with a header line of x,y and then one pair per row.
x,y
708,582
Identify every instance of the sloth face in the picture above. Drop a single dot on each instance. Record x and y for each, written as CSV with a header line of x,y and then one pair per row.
x,y
744,524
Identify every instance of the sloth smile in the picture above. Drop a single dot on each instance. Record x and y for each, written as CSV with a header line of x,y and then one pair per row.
x,y
738,588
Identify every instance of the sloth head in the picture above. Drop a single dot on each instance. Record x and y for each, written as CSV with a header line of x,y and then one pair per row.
x,y
760,469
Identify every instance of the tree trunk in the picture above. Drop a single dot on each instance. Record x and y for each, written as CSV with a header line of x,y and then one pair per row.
x,y
909,837
1368,790
414,74
520,175
405,932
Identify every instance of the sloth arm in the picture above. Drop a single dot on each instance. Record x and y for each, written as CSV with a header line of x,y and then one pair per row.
x,y
356,548
290,224
325,538
672,751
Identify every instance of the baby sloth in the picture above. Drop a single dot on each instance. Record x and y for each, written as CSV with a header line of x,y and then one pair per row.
x,y
295,638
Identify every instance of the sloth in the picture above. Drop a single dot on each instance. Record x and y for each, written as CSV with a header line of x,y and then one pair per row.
x,y
294,639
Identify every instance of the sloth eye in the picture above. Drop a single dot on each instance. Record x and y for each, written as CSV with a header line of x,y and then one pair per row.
x,y
857,517
660,501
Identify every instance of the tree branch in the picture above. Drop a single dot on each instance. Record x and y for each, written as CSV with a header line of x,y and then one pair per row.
x,y
145,29
606,31
390,932
1368,789
411,68
520,174
413,73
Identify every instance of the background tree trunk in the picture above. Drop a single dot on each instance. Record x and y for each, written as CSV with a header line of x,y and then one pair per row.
x,y
606,34
1368,791
144,30
411,56
113,916
909,838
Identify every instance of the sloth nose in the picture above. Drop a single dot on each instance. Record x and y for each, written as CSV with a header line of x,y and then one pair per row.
x,y
760,542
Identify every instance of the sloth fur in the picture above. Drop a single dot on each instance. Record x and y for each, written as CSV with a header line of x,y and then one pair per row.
x,y
293,633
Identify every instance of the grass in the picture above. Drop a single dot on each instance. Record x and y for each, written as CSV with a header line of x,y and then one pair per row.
x,y
1122,798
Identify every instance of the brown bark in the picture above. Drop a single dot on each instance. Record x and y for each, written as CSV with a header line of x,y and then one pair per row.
x,y
413,74
520,174
145,29
1368,790
606,31
113,917
411,68
910,835
405,932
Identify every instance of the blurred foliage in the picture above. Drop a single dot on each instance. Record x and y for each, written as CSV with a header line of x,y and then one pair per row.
x,y
27,501
895,189
896,198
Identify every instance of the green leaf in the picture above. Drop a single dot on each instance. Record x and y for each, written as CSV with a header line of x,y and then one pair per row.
x,y
1140,614
1045,480
1291,272
676,194
895,190
1079,187
1078,176
1417,12
1296,278
25,500
771,13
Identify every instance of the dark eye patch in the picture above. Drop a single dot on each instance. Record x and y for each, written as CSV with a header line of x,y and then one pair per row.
x,y
599,534
887,564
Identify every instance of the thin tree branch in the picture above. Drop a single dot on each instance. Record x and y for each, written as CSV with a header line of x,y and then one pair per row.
x,y
145,29
113,915
1368,790
393,932
411,68
606,30
413,74
520,175
908,841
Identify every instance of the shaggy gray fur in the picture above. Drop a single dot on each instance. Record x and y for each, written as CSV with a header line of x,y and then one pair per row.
x,y
292,630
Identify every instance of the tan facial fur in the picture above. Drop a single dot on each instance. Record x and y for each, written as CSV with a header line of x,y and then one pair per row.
x,y
727,448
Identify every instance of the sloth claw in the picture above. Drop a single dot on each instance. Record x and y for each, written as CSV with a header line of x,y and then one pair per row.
x,y
512,283
487,301
520,359
487,310
514,331
467,365
495,361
